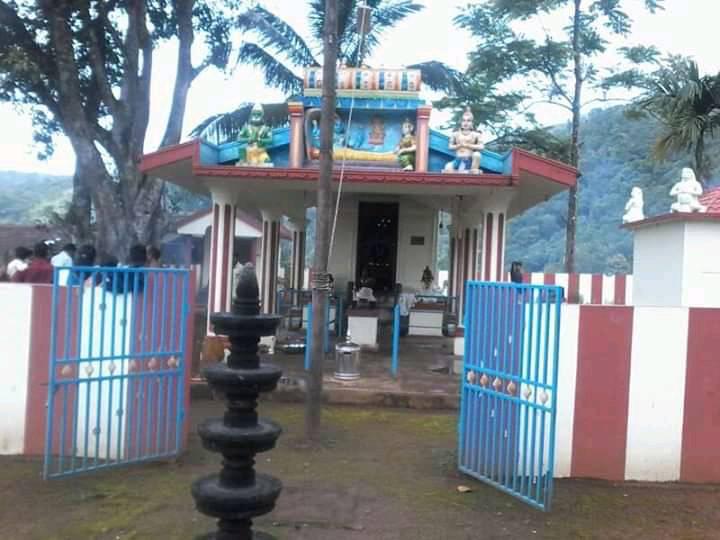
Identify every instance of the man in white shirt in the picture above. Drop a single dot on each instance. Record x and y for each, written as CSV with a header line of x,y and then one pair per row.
x,y
20,262
64,258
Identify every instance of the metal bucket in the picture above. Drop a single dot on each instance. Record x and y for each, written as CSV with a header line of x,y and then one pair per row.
x,y
347,360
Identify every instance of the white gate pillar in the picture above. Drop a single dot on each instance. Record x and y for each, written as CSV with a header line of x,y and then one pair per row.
x,y
269,259
221,256
492,265
464,247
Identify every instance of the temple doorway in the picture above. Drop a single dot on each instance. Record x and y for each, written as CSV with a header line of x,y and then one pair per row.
x,y
377,245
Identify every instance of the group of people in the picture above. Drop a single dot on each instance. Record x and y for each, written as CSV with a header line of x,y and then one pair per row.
x,y
37,265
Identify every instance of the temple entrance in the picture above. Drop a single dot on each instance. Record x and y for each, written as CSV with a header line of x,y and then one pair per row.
x,y
377,245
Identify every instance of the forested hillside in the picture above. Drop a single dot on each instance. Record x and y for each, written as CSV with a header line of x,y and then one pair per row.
x,y
26,198
615,156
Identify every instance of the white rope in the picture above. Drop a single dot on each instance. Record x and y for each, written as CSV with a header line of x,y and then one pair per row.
x,y
347,132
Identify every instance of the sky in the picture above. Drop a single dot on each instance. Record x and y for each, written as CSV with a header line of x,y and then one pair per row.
x,y
687,27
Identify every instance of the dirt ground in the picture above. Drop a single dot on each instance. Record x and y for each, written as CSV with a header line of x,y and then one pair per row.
x,y
380,474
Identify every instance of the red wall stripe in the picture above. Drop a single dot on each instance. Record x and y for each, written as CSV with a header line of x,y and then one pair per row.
x,y
573,293
701,423
597,286
38,376
602,392
213,263
549,279
487,248
499,247
620,286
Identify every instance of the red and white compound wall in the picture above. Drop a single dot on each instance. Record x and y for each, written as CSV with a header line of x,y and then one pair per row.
x,y
638,393
588,288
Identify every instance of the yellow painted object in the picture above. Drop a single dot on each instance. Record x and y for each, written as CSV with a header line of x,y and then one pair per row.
x,y
363,155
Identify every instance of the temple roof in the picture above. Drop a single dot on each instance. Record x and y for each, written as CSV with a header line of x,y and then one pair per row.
x,y
711,199
194,166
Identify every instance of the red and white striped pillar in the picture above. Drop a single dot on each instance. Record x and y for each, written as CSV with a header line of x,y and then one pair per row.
x,y
269,260
464,246
221,257
492,263
297,273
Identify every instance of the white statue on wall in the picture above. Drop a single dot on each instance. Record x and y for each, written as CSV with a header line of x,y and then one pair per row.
x,y
687,193
634,206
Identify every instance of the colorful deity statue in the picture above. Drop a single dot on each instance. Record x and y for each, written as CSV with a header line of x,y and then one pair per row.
x,y
339,138
468,146
687,193
256,136
377,131
407,147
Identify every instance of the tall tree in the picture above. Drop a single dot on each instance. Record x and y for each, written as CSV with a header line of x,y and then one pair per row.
x,y
83,68
557,67
687,105
320,276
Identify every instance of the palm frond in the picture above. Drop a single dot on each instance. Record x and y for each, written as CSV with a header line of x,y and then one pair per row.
x,y
276,73
225,127
439,76
277,35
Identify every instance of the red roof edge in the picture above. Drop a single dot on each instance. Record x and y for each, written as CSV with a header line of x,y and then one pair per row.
x,y
675,217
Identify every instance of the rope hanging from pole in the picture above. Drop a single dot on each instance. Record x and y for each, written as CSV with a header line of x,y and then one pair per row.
x,y
364,12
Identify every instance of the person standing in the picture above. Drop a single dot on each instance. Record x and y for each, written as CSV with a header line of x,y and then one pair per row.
x,y
153,257
39,270
64,259
516,272
85,259
19,263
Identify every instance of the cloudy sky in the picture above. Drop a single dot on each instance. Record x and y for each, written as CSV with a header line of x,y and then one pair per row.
x,y
687,27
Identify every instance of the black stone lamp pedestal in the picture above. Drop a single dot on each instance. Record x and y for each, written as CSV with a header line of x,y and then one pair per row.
x,y
237,494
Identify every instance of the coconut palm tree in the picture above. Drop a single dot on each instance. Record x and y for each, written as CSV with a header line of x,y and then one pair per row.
x,y
687,104
281,53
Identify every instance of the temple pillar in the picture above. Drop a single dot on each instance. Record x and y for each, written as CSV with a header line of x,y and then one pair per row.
x,y
221,257
297,145
297,272
422,132
464,247
270,253
492,265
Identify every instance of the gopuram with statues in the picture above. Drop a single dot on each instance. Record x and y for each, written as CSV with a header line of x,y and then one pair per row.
x,y
396,177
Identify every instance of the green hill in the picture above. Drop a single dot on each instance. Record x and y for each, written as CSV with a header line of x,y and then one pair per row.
x,y
615,156
28,198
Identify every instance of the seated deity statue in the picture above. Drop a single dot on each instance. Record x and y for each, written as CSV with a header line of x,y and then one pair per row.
x,y
339,135
634,206
256,136
467,144
407,147
687,193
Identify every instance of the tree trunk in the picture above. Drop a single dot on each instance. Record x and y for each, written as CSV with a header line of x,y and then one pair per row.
x,y
571,226
699,159
322,233
184,74
78,216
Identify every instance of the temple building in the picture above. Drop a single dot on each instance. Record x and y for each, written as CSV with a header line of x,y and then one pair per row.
x,y
395,174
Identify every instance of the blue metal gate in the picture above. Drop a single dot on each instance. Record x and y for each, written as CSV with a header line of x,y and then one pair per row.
x,y
509,388
117,367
